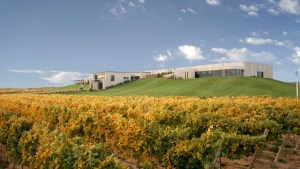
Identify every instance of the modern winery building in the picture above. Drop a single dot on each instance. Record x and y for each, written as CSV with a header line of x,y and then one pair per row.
x,y
220,70
104,80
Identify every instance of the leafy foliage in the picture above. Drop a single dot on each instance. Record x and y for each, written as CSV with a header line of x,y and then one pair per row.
x,y
64,131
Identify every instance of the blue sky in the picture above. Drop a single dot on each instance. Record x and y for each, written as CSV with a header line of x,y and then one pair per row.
x,y
51,43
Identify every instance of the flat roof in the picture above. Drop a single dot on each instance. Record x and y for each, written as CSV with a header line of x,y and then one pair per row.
x,y
238,63
120,72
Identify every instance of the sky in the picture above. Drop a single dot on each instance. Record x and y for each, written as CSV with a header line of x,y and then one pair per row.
x,y
52,43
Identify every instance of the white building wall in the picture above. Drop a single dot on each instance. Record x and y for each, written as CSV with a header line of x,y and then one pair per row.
x,y
250,69
161,71
121,77
184,73
142,75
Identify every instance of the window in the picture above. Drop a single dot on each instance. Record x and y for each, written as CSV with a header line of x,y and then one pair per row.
x,y
260,74
135,77
211,73
216,73
234,72
112,77
219,73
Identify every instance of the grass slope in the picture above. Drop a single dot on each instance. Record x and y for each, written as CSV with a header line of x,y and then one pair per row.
x,y
72,87
225,86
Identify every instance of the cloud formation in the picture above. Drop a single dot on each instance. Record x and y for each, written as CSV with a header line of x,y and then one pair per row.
x,y
272,1
122,7
30,71
261,41
163,57
190,10
118,10
243,54
64,77
273,11
290,6
213,2
130,3
251,10
142,1
191,52
295,58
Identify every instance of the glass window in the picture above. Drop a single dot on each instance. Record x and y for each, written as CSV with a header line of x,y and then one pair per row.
x,y
112,77
260,74
234,72
219,73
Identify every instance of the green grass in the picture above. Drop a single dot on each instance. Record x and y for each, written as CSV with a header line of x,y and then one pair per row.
x,y
71,87
224,86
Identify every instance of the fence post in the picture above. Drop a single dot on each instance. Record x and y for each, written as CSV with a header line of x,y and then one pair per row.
x,y
282,146
218,153
297,145
266,132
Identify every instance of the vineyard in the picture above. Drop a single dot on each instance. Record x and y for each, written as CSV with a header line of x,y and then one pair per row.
x,y
21,90
70,131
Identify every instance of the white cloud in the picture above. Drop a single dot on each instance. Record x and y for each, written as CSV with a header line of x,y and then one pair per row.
x,y
252,13
64,77
213,2
273,11
130,3
261,41
118,10
142,1
163,57
295,58
284,33
290,6
121,7
54,76
251,10
243,54
259,33
191,52
190,10
272,1
31,71
169,53
248,8
266,32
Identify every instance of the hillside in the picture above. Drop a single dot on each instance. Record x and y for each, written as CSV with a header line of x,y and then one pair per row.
x,y
229,86
71,87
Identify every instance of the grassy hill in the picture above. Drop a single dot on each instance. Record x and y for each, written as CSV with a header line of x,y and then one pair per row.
x,y
71,87
224,86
